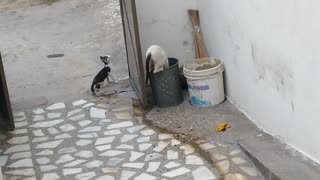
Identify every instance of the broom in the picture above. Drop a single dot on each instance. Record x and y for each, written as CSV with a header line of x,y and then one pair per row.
x,y
200,51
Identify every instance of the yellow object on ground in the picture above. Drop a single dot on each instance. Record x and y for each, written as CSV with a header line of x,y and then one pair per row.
x,y
222,126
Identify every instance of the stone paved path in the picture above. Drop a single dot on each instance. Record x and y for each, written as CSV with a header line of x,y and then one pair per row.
x,y
92,140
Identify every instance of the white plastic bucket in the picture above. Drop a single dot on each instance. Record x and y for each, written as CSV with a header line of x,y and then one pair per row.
x,y
205,81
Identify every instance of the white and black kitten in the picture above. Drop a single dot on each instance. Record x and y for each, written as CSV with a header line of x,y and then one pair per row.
x,y
105,73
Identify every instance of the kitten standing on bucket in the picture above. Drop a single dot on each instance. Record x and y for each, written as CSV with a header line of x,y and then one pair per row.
x,y
157,60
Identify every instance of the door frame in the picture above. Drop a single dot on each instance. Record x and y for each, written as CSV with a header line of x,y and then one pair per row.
x,y
5,105
143,96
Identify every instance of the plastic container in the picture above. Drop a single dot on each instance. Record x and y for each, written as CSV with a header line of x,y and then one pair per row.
x,y
205,81
166,85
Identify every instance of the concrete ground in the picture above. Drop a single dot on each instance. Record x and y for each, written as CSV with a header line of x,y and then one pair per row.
x,y
80,30
273,158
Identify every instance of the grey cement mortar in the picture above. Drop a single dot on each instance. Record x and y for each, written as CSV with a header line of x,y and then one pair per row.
x,y
197,122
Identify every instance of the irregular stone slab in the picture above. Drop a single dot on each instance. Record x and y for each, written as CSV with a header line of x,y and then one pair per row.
x,y
85,154
161,146
67,127
52,131
50,176
148,132
112,132
176,172
111,153
56,106
171,155
63,136
70,171
128,137
88,135
47,123
98,113
136,128
73,112
144,146
75,163
77,117
3,160
67,150
83,142
22,163
125,175
93,164
38,111
86,176
84,123
64,159
133,165
88,105
38,132
54,115
18,140
143,139
125,146
40,139
123,116
165,136
207,146
51,144
21,172
47,168
120,125
171,165
203,173
43,161
20,155
19,131
145,176
44,152
79,102
152,156
105,177
91,129
194,160
105,140
153,166
18,148
104,147
135,155
115,161
38,118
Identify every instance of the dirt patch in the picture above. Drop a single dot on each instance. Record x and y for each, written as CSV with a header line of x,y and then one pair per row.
x,y
15,4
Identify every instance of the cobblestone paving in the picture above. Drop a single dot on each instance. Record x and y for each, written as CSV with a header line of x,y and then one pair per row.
x,y
91,140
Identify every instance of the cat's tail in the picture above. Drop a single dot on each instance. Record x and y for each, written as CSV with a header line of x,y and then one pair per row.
x,y
92,88
148,67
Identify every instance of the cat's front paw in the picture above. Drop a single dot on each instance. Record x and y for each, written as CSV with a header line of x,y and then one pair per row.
x,y
116,82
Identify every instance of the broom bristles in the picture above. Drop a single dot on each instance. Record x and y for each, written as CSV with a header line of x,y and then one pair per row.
x,y
199,46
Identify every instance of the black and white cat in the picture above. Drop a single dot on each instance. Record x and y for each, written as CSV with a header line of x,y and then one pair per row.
x,y
157,60
105,73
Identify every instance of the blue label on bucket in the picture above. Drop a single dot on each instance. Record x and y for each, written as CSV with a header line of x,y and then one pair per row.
x,y
206,87
198,102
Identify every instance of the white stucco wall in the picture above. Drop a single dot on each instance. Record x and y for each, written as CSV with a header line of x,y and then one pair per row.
x,y
271,50
166,23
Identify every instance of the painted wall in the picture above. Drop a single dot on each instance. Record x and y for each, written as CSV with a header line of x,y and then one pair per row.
x,y
166,23
271,51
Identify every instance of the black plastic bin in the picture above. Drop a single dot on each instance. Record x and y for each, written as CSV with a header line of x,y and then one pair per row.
x,y
166,85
